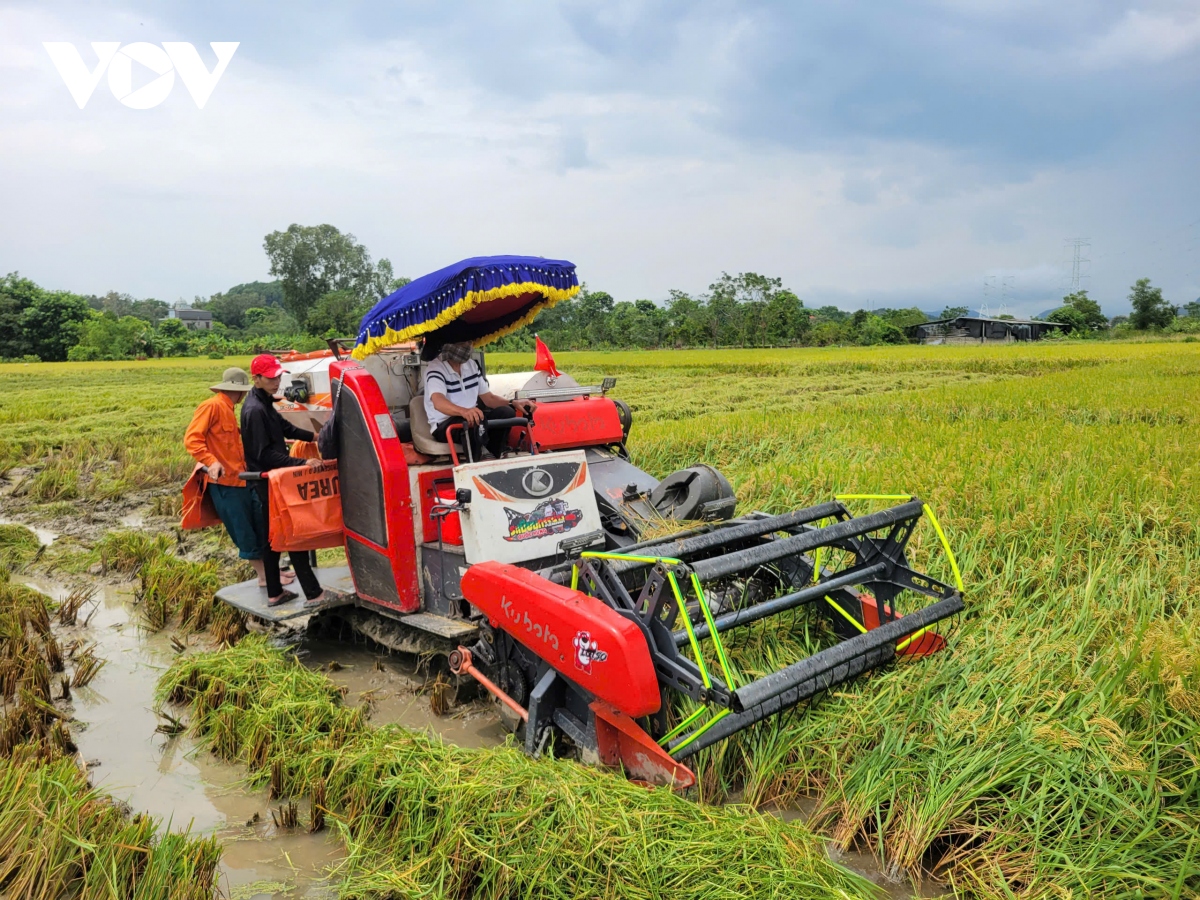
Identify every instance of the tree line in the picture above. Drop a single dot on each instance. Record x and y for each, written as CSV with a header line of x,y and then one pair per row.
x,y
326,281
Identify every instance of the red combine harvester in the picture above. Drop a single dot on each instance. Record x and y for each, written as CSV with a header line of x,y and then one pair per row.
x,y
533,572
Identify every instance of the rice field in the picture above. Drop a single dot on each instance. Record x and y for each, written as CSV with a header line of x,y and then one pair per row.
x,y
1050,751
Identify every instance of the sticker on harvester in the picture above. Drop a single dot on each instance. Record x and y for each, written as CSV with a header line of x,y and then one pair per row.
x,y
523,508
587,651
545,519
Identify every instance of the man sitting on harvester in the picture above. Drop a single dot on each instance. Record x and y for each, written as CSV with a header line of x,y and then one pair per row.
x,y
457,393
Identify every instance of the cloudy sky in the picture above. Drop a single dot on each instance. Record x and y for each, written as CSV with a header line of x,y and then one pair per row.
x,y
870,155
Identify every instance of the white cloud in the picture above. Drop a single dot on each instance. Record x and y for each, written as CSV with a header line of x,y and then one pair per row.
x,y
1143,37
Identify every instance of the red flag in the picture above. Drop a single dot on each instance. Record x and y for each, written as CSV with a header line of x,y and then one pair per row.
x,y
545,362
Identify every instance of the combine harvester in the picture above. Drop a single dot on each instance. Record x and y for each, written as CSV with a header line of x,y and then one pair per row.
x,y
533,572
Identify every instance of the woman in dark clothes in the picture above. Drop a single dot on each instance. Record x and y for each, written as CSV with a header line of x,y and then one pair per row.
x,y
263,433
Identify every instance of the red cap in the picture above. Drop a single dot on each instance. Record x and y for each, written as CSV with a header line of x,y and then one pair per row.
x,y
266,365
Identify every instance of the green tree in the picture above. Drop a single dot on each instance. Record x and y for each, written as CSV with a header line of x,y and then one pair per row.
x,y
104,336
172,338
229,307
1150,310
121,305
687,320
737,307
1093,317
787,321
1192,309
903,318
51,324
592,312
337,314
1074,319
16,295
953,312
316,260
832,314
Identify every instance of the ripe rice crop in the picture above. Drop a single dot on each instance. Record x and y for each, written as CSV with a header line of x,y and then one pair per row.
x,y
421,818
61,838
1052,748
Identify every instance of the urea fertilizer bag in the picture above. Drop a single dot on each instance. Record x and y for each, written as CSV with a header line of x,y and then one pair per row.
x,y
305,507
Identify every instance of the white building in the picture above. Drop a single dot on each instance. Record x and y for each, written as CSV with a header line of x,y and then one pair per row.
x,y
195,319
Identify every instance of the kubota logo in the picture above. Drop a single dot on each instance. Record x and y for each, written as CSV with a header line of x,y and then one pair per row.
x,y
118,60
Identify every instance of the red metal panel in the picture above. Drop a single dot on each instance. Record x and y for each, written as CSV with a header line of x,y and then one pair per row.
x,y
582,422
401,541
621,742
425,482
578,635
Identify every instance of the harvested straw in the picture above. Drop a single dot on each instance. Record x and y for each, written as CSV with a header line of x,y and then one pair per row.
x,y
422,818
18,546
68,609
61,838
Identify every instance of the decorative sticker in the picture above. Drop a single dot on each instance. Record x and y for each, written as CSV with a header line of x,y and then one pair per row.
x,y
587,651
544,520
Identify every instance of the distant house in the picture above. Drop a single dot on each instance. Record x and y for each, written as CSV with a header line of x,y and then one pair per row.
x,y
195,319
981,330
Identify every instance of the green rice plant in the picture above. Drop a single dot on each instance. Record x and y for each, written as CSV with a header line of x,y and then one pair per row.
x,y
58,479
128,551
178,589
18,547
61,838
1053,745
421,818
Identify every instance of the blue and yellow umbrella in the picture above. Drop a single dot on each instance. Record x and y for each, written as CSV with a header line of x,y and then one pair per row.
x,y
476,300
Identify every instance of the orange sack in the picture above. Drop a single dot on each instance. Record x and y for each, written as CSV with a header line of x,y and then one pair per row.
x,y
198,509
305,507
305,450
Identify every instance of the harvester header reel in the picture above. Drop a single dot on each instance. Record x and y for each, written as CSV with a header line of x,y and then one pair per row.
x,y
673,603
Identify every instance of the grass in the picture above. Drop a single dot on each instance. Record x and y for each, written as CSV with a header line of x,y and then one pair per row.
x,y
421,818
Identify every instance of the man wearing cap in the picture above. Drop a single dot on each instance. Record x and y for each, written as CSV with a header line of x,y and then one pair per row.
x,y
263,434
214,441
456,393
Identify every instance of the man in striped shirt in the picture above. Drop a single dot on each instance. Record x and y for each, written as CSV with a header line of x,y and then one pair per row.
x,y
456,393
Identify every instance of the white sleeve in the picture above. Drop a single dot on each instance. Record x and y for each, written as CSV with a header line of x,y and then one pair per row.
x,y
484,387
435,382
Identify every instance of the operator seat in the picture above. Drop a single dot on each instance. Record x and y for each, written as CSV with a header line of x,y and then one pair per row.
x,y
421,437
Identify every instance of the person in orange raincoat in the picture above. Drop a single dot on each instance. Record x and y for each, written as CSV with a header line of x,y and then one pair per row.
x,y
215,441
